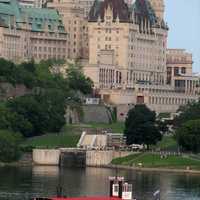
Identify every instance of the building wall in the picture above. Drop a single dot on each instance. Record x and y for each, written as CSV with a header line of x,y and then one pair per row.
x,y
31,33
48,45
86,5
22,45
179,71
124,55
76,26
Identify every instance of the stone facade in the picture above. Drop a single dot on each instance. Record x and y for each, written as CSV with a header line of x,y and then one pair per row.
x,y
27,33
73,16
128,56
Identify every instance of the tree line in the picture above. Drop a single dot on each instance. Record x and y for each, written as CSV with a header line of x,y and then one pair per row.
x,y
43,109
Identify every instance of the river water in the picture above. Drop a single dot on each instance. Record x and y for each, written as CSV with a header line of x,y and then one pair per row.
x,y
22,183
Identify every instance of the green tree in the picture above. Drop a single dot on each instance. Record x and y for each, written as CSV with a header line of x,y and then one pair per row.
x,y
188,135
9,146
189,112
18,74
141,127
43,109
37,114
77,80
4,116
8,71
54,105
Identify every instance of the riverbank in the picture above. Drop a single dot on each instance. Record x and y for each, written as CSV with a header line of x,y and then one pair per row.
x,y
136,161
157,162
25,160
122,167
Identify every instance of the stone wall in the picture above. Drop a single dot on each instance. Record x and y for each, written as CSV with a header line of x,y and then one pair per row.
x,y
95,113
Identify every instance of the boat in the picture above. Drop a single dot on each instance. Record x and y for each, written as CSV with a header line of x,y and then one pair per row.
x,y
119,190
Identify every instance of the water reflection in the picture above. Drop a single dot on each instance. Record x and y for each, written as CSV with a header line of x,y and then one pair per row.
x,y
18,183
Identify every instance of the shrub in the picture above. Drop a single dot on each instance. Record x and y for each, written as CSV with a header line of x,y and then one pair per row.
x,y
9,146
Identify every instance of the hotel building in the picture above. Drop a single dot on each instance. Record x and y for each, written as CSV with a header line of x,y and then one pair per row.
x,y
128,57
27,33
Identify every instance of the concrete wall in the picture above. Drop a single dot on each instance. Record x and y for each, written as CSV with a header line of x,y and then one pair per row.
x,y
99,158
69,157
46,156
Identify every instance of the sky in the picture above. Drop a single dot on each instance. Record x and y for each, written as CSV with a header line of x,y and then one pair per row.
x,y
183,19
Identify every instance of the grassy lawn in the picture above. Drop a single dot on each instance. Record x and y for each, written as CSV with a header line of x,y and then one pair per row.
x,y
52,141
153,160
69,135
117,127
167,143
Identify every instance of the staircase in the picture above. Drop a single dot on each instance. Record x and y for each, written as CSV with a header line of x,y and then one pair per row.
x,y
87,141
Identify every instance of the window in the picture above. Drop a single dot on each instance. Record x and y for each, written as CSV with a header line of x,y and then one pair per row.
x,y
176,71
183,70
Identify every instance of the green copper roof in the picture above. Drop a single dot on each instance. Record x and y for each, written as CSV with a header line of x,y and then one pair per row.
x,y
6,9
38,19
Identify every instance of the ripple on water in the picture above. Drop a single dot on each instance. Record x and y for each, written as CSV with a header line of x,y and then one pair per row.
x,y
17,183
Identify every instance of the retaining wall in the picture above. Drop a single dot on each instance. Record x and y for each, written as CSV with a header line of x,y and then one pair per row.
x,y
46,156
95,113
75,157
101,158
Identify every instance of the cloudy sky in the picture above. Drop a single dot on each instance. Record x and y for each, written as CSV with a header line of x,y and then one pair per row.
x,y
183,18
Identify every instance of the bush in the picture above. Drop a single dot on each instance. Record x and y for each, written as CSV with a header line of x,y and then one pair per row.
x,y
188,136
26,149
9,146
